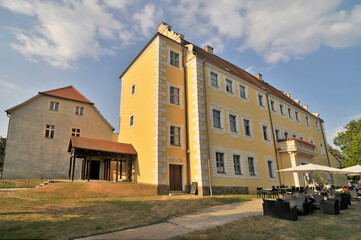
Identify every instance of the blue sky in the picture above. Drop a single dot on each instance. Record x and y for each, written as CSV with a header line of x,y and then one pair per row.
x,y
308,48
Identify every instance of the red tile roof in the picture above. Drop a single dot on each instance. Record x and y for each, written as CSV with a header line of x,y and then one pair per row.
x,y
101,145
233,69
68,92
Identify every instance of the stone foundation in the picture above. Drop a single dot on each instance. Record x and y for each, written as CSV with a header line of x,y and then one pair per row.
x,y
222,190
163,189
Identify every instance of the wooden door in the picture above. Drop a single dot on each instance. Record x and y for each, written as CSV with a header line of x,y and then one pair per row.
x,y
175,177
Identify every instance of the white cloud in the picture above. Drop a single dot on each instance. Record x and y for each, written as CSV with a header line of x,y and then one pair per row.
x,y
278,30
148,18
355,117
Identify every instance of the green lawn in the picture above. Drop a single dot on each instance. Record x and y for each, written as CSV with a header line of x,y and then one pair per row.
x,y
69,210
316,225
21,183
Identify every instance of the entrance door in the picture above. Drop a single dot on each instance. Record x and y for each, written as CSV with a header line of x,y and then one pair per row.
x,y
175,177
94,169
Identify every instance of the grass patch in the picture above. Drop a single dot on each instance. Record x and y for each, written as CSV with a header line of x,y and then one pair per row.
x,y
316,225
69,210
21,183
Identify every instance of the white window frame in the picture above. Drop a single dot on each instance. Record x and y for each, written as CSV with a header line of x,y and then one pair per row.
x,y
224,162
220,108
266,124
217,88
246,98
75,132
169,48
229,112
233,93
131,89
284,114
131,120
301,136
254,166
285,130
322,149
181,129
263,106
240,164
298,119
179,136
49,128
307,119
274,104
177,60
273,170
55,105
317,124
280,136
294,134
249,118
181,89
80,112
290,113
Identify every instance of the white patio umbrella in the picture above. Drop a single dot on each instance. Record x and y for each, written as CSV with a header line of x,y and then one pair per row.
x,y
310,167
354,170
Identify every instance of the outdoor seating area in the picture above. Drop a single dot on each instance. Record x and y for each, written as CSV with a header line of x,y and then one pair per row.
x,y
288,202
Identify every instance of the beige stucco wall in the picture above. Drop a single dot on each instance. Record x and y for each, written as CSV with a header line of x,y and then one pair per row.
x,y
30,155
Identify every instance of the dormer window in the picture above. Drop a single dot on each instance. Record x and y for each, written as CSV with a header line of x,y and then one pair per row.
x,y
54,106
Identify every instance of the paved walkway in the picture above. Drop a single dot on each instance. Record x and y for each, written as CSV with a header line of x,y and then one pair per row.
x,y
209,218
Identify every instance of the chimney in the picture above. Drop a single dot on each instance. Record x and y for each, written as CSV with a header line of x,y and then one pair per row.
x,y
208,49
259,76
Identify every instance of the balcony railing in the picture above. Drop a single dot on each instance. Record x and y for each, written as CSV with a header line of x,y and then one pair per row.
x,y
296,145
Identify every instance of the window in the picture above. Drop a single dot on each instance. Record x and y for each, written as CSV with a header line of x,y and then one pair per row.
x,y
286,134
317,126
265,133
174,95
54,106
308,121
174,59
133,89
290,115
282,109
260,100
49,131
251,166
79,111
297,116
229,85
131,120
214,79
75,132
278,134
294,135
273,107
242,92
174,136
247,129
220,162
322,150
232,123
237,164
270,169
217,118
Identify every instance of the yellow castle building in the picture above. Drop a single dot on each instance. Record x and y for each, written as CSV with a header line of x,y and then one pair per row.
x,y
193,117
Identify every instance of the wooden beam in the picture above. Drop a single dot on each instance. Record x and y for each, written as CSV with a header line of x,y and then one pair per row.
x,y
130,171
89,169
72,174
121,169
82,169
116,180
71,158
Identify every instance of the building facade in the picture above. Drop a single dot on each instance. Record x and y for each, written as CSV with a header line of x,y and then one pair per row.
x,y
40,129
194,117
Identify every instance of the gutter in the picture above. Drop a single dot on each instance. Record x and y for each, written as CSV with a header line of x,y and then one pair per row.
x,y
186,121
274,139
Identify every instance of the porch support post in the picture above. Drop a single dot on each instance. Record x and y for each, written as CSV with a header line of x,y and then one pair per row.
x,y
72,174
130,170
109,166
89,168
82,169
70,164
85,169
116,169
121,169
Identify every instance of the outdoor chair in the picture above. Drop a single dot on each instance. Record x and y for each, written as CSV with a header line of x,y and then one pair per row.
x,y
332,192
355,196
310,191
259,192
324,191
316,201
279,209
330,207
301,203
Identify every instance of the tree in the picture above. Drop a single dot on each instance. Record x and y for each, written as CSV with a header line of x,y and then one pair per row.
x,y
349,141
2,151
336,153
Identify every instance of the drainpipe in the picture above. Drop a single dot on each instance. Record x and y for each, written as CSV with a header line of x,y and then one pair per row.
x,y
206,116
324,142
186,120
273,137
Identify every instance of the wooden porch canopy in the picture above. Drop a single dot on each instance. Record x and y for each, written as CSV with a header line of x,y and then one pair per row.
x,y
81,147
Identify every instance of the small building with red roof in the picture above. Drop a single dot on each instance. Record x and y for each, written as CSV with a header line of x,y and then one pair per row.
x,y
40,129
